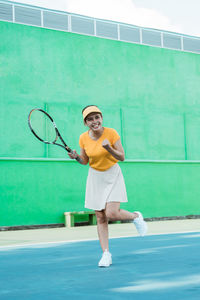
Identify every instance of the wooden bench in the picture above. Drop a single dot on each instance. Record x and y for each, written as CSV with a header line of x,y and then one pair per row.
x,y
70,217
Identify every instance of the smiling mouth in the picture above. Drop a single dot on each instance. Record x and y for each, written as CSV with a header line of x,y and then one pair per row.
x,y
95,126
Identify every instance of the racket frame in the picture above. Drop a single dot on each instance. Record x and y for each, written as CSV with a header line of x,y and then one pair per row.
x,y
58,135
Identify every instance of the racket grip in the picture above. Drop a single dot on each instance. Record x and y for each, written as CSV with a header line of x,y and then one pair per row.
x,y
77,158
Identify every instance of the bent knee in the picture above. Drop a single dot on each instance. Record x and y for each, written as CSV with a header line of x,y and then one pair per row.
x,y
111,215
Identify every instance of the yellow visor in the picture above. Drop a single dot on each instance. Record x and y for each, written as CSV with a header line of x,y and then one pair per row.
x,y
89,110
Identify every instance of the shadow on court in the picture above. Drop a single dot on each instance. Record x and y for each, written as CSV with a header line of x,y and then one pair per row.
x,y
153,267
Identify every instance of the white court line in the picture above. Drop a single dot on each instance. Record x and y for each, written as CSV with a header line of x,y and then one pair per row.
x,y
7,247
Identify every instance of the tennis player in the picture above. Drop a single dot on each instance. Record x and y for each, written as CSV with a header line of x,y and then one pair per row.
x,y
105,188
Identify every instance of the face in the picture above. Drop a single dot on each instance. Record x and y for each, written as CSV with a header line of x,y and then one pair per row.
x,y
94,121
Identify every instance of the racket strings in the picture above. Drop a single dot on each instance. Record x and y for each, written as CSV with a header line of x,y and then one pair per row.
x,y
43,127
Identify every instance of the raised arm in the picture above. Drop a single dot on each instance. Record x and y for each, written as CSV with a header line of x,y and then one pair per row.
x,y
116,151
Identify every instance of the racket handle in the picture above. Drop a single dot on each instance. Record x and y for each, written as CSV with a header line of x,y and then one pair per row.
x,y
77,158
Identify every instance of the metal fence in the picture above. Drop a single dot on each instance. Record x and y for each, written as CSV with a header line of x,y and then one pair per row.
x,y
57,20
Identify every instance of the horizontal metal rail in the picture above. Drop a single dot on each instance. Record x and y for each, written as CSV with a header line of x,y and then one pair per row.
x,y
63,21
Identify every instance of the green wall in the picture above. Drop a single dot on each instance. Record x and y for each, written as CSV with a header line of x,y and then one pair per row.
x,y
150,95
156,188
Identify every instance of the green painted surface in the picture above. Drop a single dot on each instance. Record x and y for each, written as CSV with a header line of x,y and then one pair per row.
x,y
39,192
151,96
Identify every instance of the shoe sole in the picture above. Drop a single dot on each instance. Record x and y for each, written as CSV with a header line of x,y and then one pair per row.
x,y
105,266
145,231
146,227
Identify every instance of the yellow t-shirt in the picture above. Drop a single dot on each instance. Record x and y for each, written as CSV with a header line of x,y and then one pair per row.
x,y
99,158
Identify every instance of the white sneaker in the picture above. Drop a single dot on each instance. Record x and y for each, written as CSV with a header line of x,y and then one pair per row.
x,y
106,259
140,224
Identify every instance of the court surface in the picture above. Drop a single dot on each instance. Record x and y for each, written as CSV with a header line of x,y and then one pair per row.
x,y
158,266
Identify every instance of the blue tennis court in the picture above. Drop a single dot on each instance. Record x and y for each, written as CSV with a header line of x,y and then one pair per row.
x,y
154,267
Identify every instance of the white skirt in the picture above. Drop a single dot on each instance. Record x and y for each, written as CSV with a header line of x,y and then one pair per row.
x,y
103,187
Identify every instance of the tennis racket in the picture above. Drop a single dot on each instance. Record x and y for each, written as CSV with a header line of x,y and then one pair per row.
x,y
45,130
